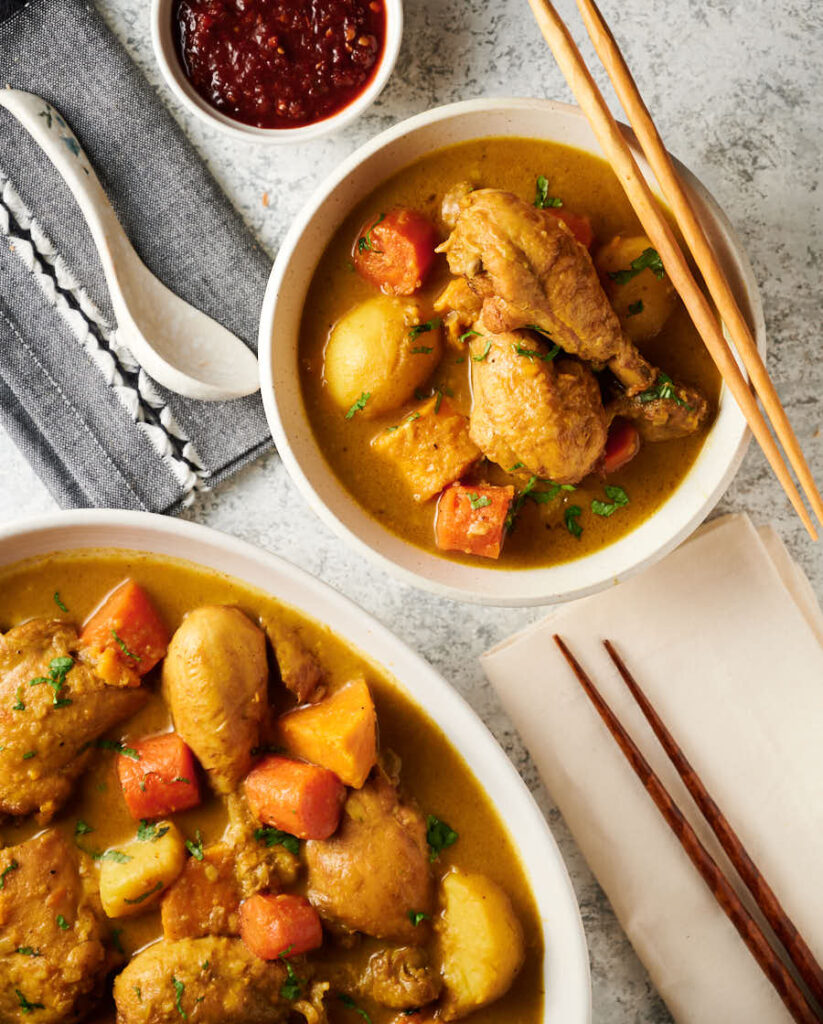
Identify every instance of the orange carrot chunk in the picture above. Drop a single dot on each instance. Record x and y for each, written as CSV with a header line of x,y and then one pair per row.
x,y
395,251
296,797
579,225
158,777
473,519
279,925
339,733
622,444
128,624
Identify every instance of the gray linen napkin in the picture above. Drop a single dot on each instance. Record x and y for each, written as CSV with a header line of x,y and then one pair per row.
x,y
96,429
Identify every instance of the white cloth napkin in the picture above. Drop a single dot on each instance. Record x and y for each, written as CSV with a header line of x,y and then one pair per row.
x,y
726,638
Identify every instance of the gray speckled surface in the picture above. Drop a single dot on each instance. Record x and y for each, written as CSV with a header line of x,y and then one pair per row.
x,y
735,86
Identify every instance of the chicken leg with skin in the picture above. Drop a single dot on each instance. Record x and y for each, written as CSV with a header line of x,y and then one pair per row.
x,y
528,410
530,271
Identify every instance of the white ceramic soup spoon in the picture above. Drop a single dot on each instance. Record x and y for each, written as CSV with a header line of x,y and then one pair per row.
x,y
180,347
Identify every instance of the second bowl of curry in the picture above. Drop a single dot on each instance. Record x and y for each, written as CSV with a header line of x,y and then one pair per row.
x,y
475,367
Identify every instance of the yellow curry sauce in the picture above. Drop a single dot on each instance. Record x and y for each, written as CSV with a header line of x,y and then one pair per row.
x,y
587,186
433,773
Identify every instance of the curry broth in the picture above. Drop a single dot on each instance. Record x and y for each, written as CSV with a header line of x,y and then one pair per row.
x,y
433,773
587,186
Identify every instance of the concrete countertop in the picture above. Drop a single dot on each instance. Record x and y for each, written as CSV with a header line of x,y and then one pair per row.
x,y
735,88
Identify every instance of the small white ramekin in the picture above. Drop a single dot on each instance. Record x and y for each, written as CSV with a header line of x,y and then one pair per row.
x,y
167,57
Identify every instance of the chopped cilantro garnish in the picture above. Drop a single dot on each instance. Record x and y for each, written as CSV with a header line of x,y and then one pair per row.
x,y
468,334
145,895
28,951
25,1005
195,846
18,704
478,500
149,833
421,350
276,837
486,350
359,404
58,602
292,986
663,389
62,923
179,989
114,855
542,199
12,866
82,828
571,517
365,243
618,497
119,747
532,353
29,754
352,1005
121,644
649,259
416,916
439,835
635,307
423,328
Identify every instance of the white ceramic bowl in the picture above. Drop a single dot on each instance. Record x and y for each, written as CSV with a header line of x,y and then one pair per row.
x,y
279,326
165,51
566,966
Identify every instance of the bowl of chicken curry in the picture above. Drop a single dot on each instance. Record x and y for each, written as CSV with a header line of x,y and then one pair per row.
x,y
475,366
227,796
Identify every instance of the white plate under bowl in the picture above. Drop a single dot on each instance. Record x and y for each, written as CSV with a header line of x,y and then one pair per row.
x,y
566,965
299,254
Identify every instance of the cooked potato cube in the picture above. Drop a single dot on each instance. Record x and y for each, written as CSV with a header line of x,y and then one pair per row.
x,y
431,447
481,943
642,300
134,878
378,353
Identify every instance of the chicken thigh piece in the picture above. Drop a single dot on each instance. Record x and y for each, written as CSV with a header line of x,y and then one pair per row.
x,y
529,410
375,870
53,706
212,980
532,271
52,956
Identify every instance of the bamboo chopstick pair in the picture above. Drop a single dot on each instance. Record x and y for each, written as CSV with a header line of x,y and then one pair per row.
x,y
663,239
796,948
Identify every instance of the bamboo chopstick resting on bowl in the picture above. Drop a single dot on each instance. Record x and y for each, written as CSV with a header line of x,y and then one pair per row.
x,y
722,890
663,239
660,162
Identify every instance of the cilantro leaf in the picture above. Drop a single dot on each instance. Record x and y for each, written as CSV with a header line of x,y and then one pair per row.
x,y
542,199
359,404
439,836
649,259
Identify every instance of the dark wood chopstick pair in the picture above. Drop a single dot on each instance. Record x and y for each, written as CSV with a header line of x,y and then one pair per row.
x,y
663,239
795,946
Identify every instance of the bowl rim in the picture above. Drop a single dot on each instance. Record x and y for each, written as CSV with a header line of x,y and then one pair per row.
x,y
165,53
565,974
516,594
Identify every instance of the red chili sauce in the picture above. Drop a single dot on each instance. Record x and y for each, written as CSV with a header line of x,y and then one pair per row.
x,y
279,63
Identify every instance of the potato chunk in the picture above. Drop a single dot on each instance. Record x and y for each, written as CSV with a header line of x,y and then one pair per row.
x,y
642,300
431,447
135,880
378,350
215,679
481,943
